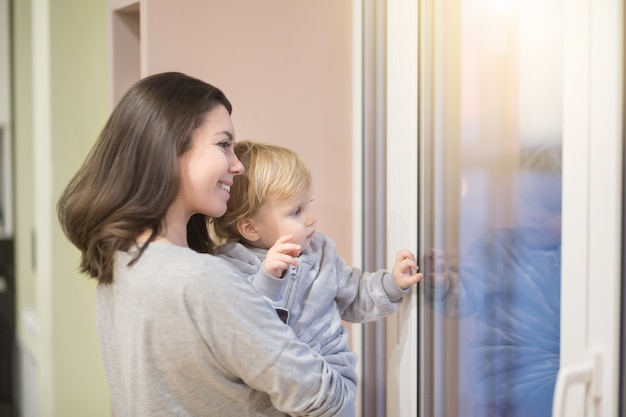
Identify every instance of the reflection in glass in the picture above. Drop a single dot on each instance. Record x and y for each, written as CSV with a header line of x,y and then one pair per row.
x,y
508,280
492,255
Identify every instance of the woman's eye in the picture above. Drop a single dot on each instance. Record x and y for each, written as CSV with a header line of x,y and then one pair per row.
x,y
225,144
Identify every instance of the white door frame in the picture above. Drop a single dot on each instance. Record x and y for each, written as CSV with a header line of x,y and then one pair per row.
x,y
402,197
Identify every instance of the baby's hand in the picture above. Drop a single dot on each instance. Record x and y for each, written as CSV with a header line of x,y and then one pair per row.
x,y
280,256
403,270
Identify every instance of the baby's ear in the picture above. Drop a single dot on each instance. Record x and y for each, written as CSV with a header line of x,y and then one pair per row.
x,y
248,230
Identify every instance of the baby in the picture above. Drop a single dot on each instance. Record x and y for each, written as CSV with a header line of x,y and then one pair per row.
x,y
270,236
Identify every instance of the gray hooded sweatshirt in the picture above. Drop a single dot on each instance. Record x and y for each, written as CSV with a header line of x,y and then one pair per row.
x,y
319,293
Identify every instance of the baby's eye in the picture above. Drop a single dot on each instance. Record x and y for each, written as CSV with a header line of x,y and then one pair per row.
x,y
296,212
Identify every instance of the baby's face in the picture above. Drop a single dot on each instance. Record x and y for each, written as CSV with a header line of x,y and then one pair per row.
x,y
293,217
539,210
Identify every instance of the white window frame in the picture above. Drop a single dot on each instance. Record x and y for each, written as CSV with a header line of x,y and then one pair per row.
x,y
402,199
588,380
592,202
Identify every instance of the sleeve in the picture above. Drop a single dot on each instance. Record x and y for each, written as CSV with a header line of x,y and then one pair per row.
x,y
363,296
248,264
268,285
272,289
244,333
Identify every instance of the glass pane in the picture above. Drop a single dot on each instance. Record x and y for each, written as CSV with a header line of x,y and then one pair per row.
x,y
493,236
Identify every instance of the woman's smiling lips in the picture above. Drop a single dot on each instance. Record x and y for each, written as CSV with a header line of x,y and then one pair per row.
x,y
224,186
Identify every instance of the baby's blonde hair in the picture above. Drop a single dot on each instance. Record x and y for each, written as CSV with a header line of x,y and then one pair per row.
x,y
272,173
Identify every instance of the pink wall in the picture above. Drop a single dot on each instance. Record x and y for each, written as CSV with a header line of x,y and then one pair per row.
x,y
286,66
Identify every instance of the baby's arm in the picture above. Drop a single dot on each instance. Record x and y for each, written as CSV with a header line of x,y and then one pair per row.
x,y
403,270
365,296
280,256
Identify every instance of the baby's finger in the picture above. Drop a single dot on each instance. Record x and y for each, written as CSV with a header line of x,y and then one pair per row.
x,y
404,254
417,277
409,265
291,249
287,259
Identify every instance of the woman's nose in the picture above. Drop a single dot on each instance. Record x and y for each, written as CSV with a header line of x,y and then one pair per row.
x,y
236,166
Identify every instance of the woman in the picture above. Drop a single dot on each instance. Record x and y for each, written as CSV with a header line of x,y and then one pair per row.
x,y
180,333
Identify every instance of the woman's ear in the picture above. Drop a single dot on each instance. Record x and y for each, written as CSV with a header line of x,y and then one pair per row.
x,y
248,230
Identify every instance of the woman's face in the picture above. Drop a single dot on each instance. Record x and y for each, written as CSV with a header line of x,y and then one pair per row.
x,y
207,169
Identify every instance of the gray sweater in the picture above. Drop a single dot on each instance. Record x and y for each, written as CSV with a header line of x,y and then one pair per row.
x,y
320,293
182,335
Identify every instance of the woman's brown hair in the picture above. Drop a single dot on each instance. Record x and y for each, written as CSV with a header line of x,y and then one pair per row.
x,y
130,177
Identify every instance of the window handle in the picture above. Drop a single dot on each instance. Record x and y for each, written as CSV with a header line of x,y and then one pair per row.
x,y
588,373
